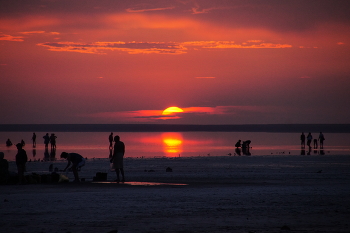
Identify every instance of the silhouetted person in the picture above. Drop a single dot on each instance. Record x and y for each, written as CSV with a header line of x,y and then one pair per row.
x,y
23,143
302,139
4,169
309,139
110,139
53,141
238,144
34,139
321,138
118,157
315,143
46,139
21,160
8,142
77,160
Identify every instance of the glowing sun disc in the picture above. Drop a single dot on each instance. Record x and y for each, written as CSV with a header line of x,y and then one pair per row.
x,y
172,110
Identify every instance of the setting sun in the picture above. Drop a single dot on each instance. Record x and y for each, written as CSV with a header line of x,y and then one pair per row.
x,y
172,110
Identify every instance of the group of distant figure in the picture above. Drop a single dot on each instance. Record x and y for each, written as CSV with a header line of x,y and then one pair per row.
x,y
310,139
47,140
75,160
245,146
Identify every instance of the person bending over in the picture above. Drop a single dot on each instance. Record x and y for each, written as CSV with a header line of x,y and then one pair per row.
x,y
77,160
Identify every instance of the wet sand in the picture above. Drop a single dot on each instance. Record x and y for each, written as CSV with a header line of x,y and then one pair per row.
x,y
222,194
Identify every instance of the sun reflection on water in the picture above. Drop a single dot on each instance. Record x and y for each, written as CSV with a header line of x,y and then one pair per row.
x,y
172,144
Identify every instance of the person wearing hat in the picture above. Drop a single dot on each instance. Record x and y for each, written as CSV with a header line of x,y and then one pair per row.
x,y
21,160
77,160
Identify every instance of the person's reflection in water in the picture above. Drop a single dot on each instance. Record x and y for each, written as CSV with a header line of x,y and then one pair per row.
x,y
34,152
110,152
321,152
309,151
53,155
46,154
302,152
238,151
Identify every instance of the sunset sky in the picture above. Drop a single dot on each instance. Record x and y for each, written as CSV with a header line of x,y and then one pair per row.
x,y
219,62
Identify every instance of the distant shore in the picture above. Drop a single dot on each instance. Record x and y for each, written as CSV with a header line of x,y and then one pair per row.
x,y
287,128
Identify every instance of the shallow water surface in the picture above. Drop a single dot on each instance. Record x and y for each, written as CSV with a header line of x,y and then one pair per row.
x,y
172,144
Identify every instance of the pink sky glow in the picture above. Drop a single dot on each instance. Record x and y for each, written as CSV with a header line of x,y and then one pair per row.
x,y
222,62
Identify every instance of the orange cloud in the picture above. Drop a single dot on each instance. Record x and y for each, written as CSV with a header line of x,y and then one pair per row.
x,y
33,32
11,38
134,10
151,47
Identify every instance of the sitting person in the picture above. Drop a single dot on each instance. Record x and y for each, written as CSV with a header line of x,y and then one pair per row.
x,y
8,142
238,144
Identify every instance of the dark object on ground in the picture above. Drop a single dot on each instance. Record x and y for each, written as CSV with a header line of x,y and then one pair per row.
x,y
169,169
100,176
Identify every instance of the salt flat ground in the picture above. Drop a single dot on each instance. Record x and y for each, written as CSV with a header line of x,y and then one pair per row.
x,y
277,193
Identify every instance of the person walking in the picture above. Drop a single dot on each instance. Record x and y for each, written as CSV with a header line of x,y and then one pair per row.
x,y
118,157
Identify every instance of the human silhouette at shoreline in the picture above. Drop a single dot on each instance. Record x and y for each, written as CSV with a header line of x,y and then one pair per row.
x,y
8,142
238,144
110,139
118,157
34,139
302,139
321,139
53,141
46,140
309,139
21,160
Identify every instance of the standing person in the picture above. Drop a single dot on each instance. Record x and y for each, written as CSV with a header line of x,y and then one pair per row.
x,y
302,139
309,139
46,140
118,156
321,138
34,139
4,169
53,141
77,160
110,138
21,160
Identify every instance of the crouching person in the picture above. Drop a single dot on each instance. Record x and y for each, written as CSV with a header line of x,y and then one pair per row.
x,y
77,160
